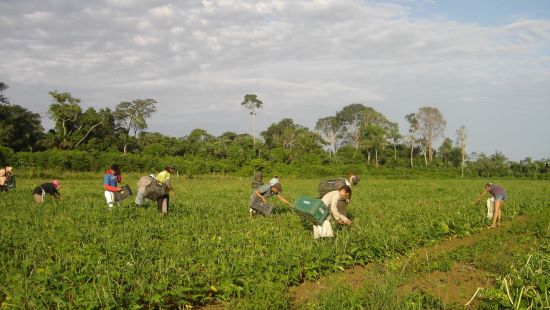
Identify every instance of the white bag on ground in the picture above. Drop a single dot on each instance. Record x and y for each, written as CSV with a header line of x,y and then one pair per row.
x,y
490,207
322,231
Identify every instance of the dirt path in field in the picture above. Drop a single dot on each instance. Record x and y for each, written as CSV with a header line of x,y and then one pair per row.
x,y
455,286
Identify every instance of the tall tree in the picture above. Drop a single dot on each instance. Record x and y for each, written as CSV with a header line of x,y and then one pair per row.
x,y
445,149
351,119
411,137
20,129
74,128
3,99
431,126
198,142
461,141
131,117
87,123
374,138
357,121
251,102
328,128
64,111
289,141
281,134
394,136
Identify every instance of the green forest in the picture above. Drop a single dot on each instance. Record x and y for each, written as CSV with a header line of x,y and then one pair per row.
x,y
355,139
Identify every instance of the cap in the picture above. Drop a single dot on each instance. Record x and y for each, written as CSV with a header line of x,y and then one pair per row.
x,y
56,183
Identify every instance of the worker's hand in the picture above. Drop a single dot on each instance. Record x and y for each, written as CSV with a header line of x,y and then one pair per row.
x,y
344,222
264,200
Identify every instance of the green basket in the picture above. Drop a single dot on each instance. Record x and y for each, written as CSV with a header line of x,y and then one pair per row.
x,y
311,209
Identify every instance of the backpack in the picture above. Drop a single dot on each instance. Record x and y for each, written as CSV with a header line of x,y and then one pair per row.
x,y
329,186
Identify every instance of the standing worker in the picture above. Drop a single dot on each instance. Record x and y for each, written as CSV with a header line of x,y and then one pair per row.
x,y
142,184
40,192
163,177
500,194
331,200
111,178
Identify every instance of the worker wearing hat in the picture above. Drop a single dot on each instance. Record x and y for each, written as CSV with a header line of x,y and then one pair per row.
x,y
269,190
163,177
40,192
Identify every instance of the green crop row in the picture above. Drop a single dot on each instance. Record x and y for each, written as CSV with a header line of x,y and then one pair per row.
x,y
75,253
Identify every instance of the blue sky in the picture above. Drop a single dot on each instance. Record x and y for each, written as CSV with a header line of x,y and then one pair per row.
x,y
483,64
482,12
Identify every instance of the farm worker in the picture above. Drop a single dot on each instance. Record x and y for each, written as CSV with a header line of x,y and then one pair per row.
x,y
274,180
257,180
5,174
40,192
268,190
164,200
499,193
142,183
332,185
331,200
352,180
111,178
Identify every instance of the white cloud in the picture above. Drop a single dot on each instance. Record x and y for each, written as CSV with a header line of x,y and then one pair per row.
x,y
145,40
306,59
177,30
162,11
38,16
144,25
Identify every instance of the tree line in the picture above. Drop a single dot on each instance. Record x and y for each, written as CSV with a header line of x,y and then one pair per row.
x,y
356,136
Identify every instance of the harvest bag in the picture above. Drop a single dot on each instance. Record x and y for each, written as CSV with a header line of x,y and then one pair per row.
x,y
257,204
322,231
329,186
155,190
123,194
490,207
9,184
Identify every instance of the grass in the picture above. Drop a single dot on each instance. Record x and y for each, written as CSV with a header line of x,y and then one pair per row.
x,y
75,253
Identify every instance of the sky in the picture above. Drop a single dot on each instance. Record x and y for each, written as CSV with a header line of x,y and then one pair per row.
x,y
484,64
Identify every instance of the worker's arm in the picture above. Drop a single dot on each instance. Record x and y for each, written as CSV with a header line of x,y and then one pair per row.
x,y
257,193
283,199
111,188
339,217
480,195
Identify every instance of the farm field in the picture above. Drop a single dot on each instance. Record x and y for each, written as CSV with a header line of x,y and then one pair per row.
x,y
75,253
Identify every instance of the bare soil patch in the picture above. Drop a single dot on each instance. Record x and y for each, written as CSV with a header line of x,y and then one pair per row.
x,y
455,286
